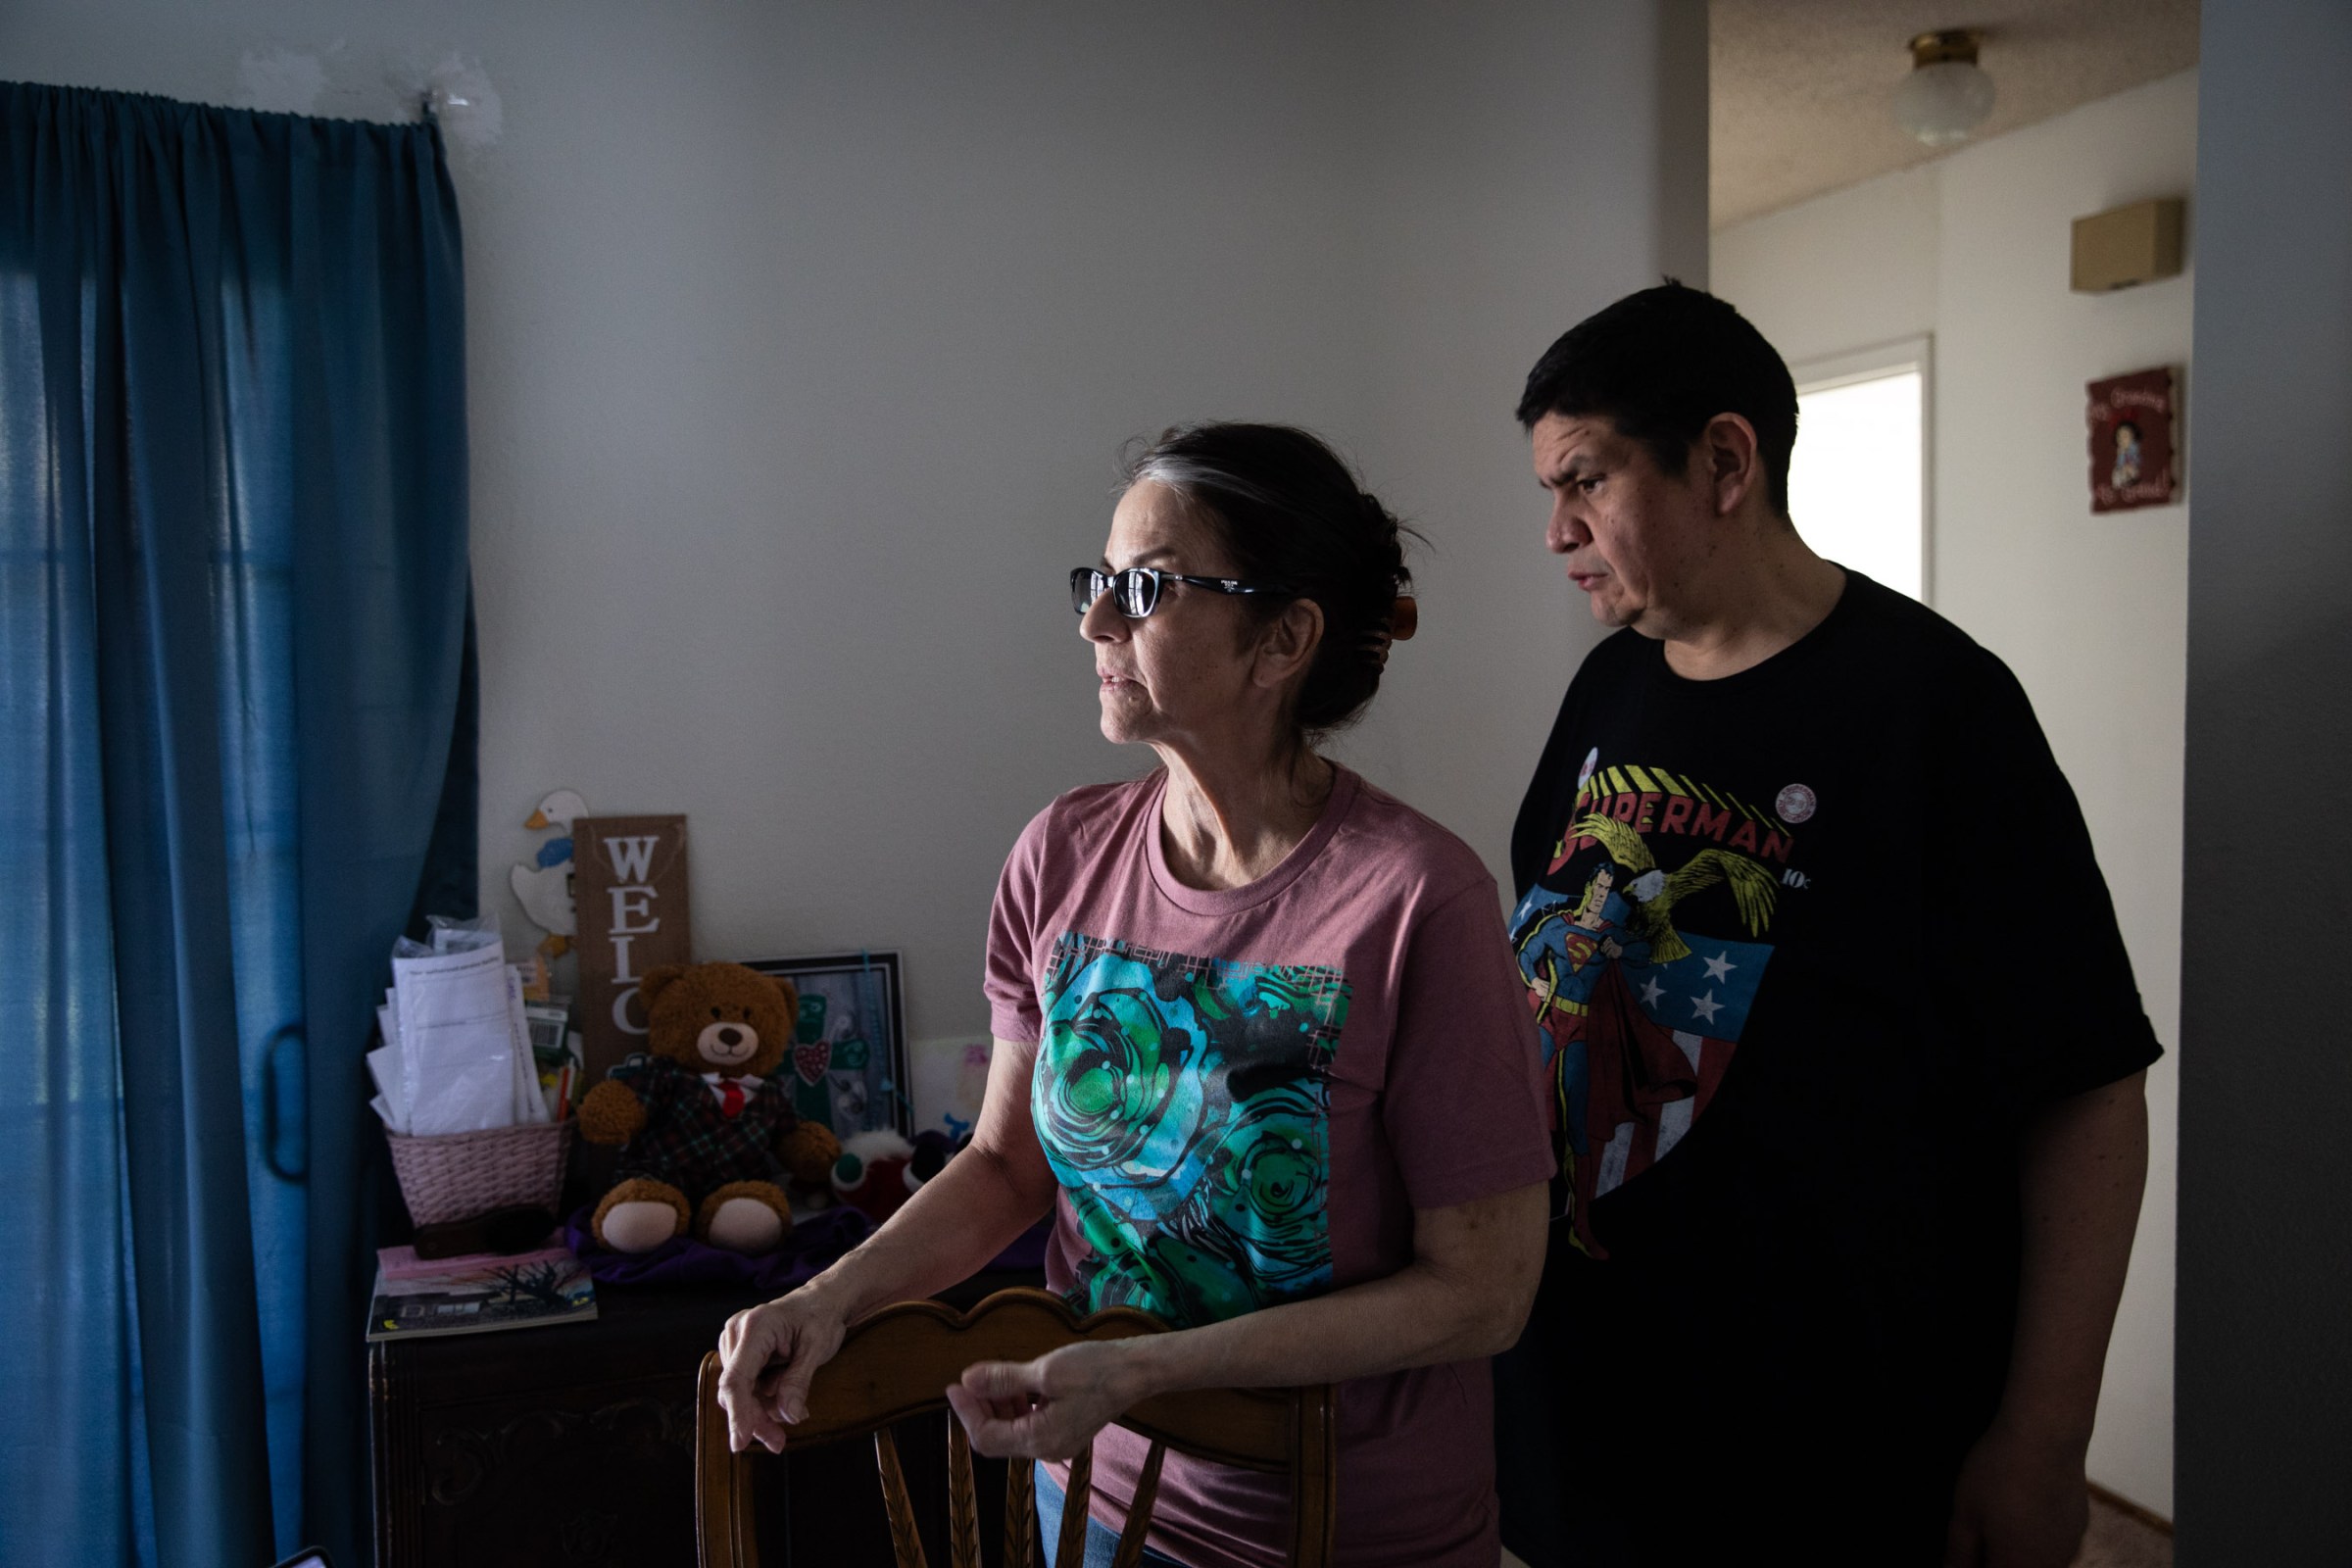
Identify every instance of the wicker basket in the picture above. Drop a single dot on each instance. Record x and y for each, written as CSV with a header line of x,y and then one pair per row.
x,y
459,1175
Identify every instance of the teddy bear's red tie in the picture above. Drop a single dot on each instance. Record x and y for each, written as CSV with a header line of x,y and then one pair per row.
x,y
731,1099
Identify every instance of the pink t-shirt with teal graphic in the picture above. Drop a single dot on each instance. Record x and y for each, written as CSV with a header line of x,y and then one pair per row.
x,y
1245,1094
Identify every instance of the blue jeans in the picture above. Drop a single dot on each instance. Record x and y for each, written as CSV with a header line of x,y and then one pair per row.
x,y
1102,1542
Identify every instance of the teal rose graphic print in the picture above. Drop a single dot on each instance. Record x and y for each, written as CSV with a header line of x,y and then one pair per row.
x,y
1185,1106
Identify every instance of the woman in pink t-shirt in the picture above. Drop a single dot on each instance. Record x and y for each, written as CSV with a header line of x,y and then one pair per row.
x,y
1261,1051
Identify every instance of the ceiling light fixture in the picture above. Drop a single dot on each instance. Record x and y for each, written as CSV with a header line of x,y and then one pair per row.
x,y
1946,95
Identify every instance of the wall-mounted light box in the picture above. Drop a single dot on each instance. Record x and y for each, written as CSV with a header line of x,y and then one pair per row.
x,y
2135,244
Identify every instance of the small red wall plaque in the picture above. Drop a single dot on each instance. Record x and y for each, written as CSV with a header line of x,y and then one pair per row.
x,y
2131,441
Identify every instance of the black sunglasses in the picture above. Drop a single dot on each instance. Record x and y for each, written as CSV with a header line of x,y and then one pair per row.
x,y
1136,590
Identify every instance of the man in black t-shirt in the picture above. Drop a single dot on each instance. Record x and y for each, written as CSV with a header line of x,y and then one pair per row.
x,y
1844,1048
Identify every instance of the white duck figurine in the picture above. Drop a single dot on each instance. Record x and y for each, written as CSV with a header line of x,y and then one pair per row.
x,y
544,888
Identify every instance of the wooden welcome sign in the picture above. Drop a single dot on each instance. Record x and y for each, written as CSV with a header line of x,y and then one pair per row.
x,y
629,887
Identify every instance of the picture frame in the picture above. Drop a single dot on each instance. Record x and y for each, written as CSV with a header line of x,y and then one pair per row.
x,y
2135,440
848,1063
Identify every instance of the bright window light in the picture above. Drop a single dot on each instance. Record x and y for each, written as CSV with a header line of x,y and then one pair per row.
x,y
1854,480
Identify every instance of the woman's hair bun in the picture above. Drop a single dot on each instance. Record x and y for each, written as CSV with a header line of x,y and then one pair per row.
x,y
1288,510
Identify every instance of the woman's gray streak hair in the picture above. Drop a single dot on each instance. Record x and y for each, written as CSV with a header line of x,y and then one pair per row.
x,y
1289,511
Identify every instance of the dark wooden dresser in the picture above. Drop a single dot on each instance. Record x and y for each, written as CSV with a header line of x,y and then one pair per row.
x,y
575,1446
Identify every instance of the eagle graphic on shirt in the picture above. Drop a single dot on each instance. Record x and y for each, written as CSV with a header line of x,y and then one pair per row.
x,y
1639,1001
1654,892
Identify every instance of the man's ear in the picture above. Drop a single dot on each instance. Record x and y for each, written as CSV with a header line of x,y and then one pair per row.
x,y
1287,644
656,980
1735,462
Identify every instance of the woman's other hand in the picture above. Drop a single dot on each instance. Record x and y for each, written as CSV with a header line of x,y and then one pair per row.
x,y
767,1356
1048,1408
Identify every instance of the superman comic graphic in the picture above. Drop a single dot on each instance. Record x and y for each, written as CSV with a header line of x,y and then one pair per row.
x,y
1640,1002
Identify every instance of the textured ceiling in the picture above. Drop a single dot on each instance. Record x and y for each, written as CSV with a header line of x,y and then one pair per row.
x,y
1801,91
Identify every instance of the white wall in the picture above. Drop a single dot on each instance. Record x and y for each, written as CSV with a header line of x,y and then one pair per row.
x,y
2091,612
803,336
1501,211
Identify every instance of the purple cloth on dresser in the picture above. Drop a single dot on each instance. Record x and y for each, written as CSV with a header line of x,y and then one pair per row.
x,y
806,1250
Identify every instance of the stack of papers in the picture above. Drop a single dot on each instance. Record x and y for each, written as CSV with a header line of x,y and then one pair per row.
x,y
457,1051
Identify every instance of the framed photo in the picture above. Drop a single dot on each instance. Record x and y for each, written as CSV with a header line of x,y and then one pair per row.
x,y
847,1065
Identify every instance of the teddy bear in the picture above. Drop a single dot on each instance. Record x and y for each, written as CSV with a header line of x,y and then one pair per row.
x,y
871,1173
878,1171
707,1140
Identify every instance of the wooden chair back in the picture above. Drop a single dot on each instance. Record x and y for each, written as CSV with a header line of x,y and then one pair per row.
x,y
895,1363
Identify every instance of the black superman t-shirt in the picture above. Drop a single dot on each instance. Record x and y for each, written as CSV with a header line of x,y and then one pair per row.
x,y
1808,945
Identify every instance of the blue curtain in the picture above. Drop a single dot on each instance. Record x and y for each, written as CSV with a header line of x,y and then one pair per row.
x,y
237,759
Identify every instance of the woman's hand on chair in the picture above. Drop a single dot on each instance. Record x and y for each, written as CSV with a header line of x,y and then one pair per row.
x,y
767,1356
1050,1408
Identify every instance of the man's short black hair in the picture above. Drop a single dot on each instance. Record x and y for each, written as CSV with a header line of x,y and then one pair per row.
x,y
1658,366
